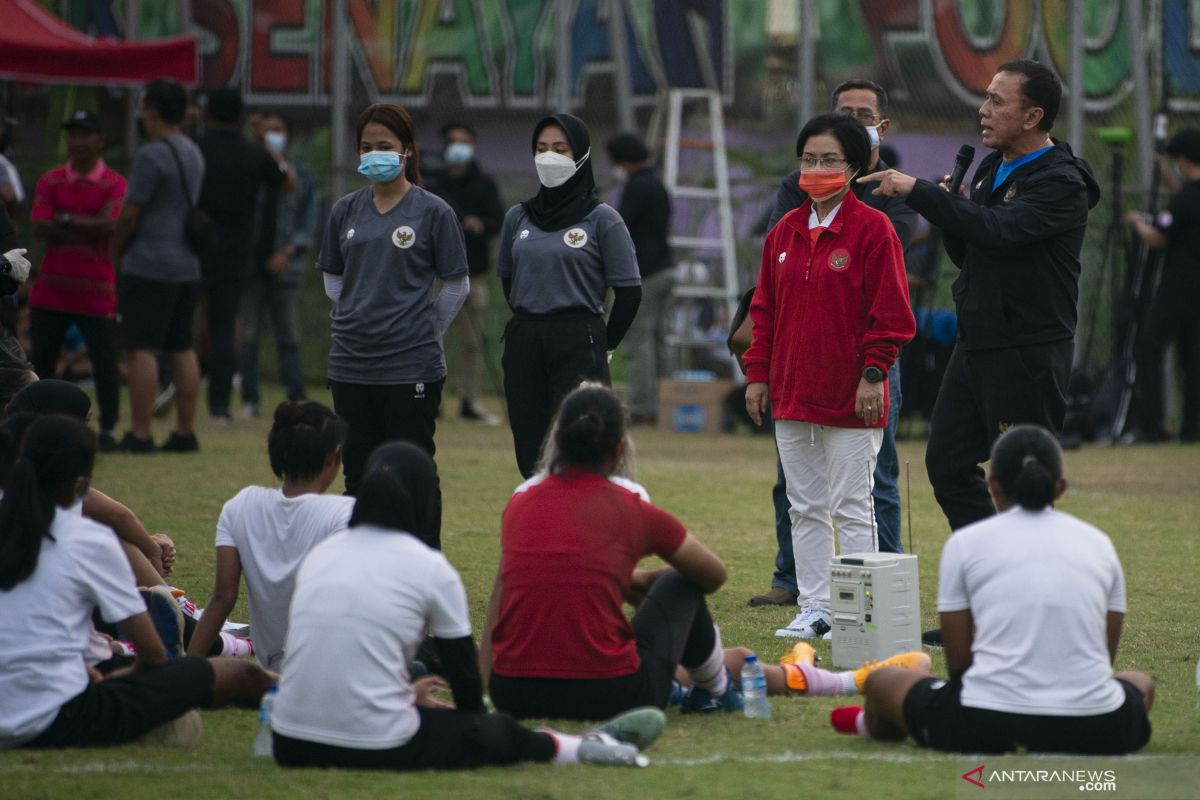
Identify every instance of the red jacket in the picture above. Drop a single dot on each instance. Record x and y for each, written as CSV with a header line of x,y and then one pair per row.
x,y
823,314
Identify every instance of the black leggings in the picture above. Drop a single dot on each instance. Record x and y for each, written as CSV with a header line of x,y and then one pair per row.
x,y
672,626
544,359
446,739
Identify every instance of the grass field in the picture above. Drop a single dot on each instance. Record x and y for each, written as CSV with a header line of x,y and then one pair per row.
x,y
1145,498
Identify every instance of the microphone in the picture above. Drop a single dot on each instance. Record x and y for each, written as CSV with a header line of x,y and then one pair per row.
x,y
966,154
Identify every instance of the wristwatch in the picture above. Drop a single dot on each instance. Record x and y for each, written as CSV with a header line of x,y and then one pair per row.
x,y
873,374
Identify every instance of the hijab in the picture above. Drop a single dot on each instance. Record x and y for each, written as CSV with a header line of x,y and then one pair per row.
x,y
52,396
399,491
566,205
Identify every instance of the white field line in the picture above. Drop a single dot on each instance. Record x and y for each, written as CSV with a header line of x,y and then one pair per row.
x,y
133,767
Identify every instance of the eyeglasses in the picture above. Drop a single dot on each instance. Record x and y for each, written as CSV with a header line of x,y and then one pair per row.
x,y
864,115
824,162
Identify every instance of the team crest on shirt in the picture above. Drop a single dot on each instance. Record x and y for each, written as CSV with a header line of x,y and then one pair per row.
x,y
1165,219
1005,427
403,237
576,237
783,256
1011,193
524,234
839,260
350,233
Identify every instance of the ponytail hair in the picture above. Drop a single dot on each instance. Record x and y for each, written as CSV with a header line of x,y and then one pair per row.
x,y
1027,462
588,428
57,450
303,435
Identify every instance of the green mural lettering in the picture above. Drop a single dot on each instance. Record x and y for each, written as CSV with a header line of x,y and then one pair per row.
x,y
449,33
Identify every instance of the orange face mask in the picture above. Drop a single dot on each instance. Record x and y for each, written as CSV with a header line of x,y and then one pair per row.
x,y
821,184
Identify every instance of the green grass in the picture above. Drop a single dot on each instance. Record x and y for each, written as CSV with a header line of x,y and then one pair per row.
x,y
1145,498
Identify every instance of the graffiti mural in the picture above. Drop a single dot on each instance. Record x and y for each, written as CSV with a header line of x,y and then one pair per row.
x,y
501,53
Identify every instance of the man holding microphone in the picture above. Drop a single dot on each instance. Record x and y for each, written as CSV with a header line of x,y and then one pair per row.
x,y
1017,241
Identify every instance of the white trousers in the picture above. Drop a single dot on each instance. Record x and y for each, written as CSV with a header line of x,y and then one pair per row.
x,y
830,474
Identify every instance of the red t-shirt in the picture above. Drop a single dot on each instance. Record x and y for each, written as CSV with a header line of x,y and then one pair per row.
x,y
568,549
77,278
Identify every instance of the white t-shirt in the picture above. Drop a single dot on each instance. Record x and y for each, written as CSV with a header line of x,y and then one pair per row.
x,y
1039,585
363,601
45,622
272,534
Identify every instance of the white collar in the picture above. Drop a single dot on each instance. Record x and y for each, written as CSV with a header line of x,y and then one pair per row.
x,y
813,222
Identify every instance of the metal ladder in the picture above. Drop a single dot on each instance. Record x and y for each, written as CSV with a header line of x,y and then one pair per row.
x,y
721,285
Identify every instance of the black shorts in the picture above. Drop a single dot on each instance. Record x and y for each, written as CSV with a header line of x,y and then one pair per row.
x,y
936,718
154,315
584,698
120,710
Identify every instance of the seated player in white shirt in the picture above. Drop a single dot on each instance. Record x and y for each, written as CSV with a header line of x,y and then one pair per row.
x,y
151,556
267,532
56,568
347,699
1031,604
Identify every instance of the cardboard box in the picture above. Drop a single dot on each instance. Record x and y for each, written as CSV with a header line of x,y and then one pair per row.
x,y
692,406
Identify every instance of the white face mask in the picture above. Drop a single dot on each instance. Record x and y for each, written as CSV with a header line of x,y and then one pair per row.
x,y
555,169
873,135
275,141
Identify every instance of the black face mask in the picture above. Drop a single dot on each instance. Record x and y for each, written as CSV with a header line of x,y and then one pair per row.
x,y
141,129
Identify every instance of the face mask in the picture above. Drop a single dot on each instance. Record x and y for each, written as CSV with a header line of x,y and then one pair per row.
x,y
380,166
555,169
873,135
821,184
458,153
275,141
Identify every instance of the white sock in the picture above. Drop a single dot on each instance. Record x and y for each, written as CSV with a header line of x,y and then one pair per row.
x,y
711,675
848,684
860,724
235,645
566,746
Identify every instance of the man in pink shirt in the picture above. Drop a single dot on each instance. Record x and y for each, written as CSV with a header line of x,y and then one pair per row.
x,y
74,210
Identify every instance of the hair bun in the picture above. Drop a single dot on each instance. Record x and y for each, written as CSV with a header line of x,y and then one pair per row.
x,y
289,413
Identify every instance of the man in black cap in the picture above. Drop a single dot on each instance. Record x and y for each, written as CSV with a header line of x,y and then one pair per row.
x,y
1172,316
75,208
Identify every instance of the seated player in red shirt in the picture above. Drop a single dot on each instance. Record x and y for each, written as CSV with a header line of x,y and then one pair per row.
x,y
557,643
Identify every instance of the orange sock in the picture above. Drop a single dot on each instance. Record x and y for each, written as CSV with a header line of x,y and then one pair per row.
x,y
795,678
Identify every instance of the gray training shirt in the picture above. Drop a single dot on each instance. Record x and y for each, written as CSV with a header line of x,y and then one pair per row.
x,y
554,271
158,250
383,325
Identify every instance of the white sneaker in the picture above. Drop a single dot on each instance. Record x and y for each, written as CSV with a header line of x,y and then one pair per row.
x,y
811,623
604,750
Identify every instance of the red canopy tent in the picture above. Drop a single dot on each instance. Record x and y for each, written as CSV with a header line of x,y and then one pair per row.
x,y
38,47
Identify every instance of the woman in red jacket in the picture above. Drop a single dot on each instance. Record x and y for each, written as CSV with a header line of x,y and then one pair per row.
x,y
829,315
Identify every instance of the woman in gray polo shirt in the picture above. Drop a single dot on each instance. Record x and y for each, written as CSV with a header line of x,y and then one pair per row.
x,y
383,247
560,251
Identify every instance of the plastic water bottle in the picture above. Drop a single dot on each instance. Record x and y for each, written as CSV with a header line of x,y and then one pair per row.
x,y
262,739
754,689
